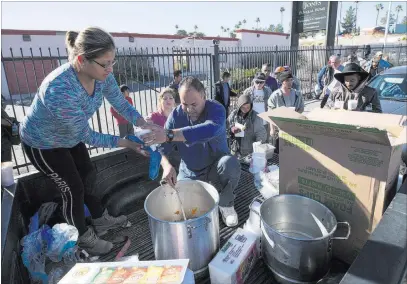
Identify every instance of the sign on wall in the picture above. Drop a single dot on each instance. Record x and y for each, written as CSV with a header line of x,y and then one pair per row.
x,y
312,16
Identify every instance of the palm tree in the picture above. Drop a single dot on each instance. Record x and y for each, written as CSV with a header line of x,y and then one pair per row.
x,y
221,28
244,22
399,8
378,8
239,23
195,28
237,26
257,21
282,12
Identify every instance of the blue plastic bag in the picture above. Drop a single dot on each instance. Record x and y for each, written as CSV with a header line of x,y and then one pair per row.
x,y
155,157
35,246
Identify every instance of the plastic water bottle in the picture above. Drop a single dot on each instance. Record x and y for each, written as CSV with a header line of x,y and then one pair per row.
x,y
257,181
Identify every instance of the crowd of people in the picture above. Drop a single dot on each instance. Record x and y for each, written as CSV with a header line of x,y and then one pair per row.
x,y
344,86
189,126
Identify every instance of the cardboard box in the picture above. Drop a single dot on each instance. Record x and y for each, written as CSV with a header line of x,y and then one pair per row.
x,y
233,263
346,160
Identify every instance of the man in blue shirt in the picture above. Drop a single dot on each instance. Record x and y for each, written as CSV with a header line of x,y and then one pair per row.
x,y
198,128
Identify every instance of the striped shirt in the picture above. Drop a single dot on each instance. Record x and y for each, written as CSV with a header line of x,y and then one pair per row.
x,y
59,113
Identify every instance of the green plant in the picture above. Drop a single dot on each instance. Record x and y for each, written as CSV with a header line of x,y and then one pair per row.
x,y
131,67
242,78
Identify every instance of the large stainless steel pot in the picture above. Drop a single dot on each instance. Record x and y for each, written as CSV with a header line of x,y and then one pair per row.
x,y
197,238
296,240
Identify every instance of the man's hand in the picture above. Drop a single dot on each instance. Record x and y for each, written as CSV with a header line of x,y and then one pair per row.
x,y
170,175
235,130
156,136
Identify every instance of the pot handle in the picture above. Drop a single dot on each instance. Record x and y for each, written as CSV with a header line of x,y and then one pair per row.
x,y
347,235
258,199
190,228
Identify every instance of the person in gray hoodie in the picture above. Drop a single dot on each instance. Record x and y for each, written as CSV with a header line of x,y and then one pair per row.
x,y
254,130
286,96
259,94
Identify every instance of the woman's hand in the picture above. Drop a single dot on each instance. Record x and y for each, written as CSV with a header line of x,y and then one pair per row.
x,y
125,143
156,136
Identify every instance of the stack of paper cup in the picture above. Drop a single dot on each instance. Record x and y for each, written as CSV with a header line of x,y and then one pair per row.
x,y
7,177
258,162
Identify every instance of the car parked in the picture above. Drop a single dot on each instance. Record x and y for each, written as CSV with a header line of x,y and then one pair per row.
x,y
391,87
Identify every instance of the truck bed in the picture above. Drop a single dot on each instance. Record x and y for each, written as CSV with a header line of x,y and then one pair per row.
x,y
124,173
141,241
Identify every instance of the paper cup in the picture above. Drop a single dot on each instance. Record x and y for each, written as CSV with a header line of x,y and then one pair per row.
x,y
338,104
7,177
352,104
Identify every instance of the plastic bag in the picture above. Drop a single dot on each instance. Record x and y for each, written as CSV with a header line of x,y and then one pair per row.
x,y
35,246
63,246
58,243
269,182
155,157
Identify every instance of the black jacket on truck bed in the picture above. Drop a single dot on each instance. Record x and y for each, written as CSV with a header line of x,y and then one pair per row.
x,y
122,180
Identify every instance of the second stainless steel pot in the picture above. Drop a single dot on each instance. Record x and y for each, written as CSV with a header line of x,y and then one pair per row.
x,y
297,235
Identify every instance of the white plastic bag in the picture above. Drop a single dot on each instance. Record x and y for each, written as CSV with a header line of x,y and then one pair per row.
x,y
270,182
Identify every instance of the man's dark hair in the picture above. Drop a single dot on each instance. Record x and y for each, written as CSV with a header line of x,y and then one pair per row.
x,y
192,82
177,73
225,74
124,88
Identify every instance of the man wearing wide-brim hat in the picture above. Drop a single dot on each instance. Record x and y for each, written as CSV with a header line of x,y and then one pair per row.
x,y
353,80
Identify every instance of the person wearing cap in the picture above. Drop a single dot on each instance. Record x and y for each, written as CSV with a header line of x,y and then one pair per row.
x,y
224,92
242,139
270,81
286,95
125,127
354,87
381,63
296,82
259,93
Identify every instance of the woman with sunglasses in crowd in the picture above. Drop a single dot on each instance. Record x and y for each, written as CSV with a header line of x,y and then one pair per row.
x,y
55,131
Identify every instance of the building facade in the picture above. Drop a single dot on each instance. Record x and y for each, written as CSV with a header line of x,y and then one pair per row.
x,y
29,55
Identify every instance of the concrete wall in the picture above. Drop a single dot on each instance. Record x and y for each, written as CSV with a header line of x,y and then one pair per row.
x,y
249,38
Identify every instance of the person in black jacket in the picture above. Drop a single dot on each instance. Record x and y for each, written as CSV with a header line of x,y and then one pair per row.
x,y
223,92
175,84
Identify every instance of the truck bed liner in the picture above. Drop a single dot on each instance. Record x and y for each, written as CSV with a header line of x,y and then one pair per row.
x,y
141,241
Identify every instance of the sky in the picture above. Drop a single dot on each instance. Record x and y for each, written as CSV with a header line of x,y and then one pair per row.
x,y
161,17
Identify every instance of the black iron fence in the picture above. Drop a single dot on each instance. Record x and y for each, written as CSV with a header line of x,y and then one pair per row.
x,y
147,70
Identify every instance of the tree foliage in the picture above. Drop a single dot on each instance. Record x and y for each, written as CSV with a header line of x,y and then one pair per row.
x,y
349,21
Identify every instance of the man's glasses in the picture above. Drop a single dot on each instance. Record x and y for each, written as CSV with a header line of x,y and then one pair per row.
x,y
105,66
258,82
